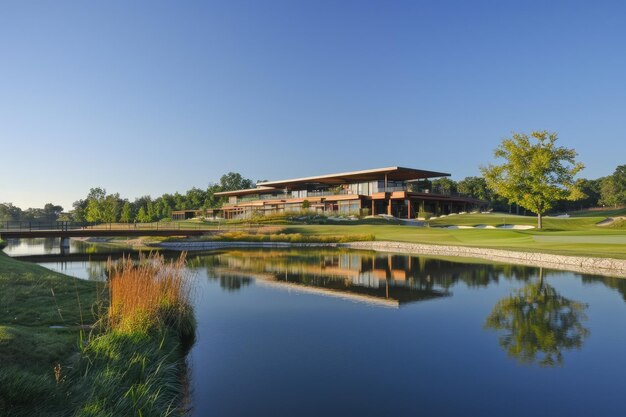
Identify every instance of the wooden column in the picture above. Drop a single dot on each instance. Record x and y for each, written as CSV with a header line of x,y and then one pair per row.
x,y
389,207
373,207
408,211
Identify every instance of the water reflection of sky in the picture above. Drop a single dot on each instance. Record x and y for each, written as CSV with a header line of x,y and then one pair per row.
x,y
18,247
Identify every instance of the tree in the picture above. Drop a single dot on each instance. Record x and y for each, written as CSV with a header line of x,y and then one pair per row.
x,y
80,211
127,213
444,186
102,207
213,201
539,324
195,198
613,188
475,187
9,212
534,175
110,207
234,181
142,215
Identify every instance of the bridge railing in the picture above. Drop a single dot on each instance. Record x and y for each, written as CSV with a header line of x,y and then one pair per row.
x,y
34,226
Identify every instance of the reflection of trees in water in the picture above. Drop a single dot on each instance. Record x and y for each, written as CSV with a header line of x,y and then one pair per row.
x,y
232,283
538,324
49,245
96,271
210,261
618,284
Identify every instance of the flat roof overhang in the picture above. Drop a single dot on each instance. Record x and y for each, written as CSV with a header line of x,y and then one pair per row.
x,y
247,191
393,174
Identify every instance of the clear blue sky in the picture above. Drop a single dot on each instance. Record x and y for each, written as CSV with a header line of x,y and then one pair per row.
x,y
153,97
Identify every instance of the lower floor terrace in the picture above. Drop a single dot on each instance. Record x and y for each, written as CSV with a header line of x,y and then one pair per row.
x,y
399,204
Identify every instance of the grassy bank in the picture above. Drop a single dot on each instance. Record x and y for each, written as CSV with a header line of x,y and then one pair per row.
x,y
41,314
54,363
136,367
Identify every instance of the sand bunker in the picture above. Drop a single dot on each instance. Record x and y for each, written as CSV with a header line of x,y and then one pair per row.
x,y
611,220
504,226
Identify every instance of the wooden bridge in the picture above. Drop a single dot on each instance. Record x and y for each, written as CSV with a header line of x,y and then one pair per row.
x,y
67,230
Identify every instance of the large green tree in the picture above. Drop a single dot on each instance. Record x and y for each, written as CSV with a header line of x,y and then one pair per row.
x,y
102,207
235,181
536,173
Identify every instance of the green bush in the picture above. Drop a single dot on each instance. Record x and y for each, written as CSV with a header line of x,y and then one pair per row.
x,y
424,215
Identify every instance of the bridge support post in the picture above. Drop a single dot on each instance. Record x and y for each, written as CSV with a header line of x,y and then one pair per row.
x,y
65,245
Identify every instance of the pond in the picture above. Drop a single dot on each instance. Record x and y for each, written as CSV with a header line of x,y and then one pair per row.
x,y
347,333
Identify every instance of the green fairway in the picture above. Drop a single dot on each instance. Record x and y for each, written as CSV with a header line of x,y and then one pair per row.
x,y
609,212
568,236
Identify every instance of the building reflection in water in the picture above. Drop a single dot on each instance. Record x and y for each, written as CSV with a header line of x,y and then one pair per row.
x,y
535,323
378,278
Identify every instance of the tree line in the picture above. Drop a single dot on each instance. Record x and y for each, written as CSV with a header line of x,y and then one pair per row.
x,y
99,206
609,191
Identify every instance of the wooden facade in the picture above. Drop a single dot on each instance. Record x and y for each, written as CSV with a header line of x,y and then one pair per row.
x,y
390,191
190,214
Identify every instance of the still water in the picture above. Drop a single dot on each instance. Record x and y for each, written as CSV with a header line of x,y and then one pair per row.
x,y
346,333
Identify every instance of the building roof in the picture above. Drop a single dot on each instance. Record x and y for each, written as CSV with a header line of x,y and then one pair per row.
x,y
247,191
393,174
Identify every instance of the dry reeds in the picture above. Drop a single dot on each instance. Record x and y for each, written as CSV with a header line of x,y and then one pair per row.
x,y
149,294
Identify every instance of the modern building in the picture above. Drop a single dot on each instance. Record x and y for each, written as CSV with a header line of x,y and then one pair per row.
x,y
395,191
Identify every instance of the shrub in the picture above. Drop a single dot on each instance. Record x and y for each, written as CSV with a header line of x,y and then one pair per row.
x,y
289,238
424,215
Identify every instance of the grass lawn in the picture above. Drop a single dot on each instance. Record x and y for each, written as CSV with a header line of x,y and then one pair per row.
x,y
569,236
51,366
32,299
608,212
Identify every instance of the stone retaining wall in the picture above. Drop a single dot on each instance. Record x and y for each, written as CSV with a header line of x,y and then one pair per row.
x,y
589,265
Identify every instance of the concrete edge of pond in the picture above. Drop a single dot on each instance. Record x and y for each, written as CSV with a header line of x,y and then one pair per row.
x,y
586,265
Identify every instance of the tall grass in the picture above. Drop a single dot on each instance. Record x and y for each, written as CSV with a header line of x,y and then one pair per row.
x,y
136,367
150,294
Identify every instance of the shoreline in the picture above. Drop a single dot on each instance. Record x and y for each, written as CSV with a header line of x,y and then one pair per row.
x,y
585,265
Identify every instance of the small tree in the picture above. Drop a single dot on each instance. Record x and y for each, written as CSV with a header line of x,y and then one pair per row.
x,y
534,175
306,204
142,216
127,213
